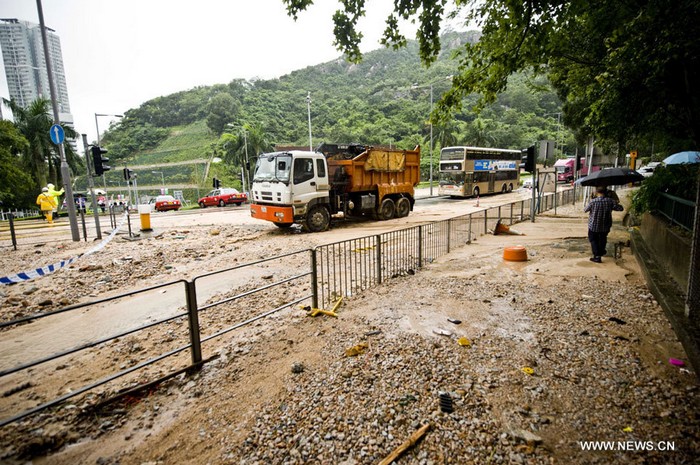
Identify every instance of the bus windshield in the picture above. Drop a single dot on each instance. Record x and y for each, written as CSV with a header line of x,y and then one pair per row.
x,y
452,154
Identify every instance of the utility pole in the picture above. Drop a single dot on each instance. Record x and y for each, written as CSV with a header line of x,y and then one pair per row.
x,y
246,179
431,139
91,184
65,170
308,109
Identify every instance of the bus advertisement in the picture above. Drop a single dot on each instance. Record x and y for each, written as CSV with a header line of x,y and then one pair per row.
x,y
474,171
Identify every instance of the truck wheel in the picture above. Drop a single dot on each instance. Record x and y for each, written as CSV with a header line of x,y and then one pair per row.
x,y
403,207
202,205
283,225
387,210
476,192
318,219
222,203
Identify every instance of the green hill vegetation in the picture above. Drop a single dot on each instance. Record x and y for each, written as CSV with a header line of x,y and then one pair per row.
x,y
384,100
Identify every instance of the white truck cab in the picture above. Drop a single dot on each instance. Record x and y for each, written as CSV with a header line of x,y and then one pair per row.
x,y
287,186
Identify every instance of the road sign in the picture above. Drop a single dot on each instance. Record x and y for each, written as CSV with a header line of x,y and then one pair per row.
x,y
57,134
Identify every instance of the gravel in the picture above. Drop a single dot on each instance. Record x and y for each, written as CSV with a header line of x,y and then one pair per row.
x,y
552,359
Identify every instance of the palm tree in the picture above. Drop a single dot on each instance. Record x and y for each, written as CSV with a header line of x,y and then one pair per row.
x,y
243,147
41,157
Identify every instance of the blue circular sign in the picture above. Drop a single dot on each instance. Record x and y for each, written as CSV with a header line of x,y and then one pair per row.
x,y
57,134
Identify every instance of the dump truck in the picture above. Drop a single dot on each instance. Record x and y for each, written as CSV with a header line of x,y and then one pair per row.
x,y
336,180
565,168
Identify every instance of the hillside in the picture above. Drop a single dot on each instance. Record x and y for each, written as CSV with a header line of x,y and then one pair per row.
x,y
383,100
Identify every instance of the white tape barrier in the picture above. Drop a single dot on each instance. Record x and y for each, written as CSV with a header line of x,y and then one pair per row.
x,y
43,271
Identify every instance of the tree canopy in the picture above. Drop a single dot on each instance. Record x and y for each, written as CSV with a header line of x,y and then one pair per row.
x,y
625,70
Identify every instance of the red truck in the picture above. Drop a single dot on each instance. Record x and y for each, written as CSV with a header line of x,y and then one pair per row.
x,y
565,169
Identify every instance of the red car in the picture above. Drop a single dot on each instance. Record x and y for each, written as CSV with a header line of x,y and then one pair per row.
x,y
167,202
221,197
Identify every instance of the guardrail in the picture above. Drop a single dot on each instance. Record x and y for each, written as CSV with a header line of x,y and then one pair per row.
x,y
117,330
5,215
679,212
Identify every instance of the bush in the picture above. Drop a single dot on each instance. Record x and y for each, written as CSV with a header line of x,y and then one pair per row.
x,y
677,180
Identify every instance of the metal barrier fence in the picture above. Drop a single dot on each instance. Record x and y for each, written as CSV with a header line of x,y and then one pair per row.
x,y
231,299
5,215
679,212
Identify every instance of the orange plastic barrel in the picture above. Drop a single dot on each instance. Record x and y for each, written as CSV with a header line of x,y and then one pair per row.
x,y
516,253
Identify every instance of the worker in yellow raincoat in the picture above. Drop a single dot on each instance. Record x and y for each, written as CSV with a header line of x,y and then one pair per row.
x,y
46,203
55,194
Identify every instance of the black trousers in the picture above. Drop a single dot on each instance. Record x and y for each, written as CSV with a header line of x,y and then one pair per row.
x,y
598,240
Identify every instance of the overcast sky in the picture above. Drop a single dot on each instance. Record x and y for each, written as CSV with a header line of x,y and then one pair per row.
x,y
120,53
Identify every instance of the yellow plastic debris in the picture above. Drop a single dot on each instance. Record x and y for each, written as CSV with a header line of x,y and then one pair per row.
x,y
331,312
528,371
356,350
628,429
463,341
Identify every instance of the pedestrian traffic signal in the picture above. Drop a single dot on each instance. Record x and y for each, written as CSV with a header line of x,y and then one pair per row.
x,y
528,159
99,160
128,174
216,183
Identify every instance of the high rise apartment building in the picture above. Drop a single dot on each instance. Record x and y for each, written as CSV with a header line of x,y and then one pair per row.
x,y
25,64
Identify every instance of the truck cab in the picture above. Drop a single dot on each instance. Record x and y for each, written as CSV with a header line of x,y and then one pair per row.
x,y
566,167
288,186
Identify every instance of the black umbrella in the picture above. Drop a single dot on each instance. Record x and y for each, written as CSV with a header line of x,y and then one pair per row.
x,y
611,177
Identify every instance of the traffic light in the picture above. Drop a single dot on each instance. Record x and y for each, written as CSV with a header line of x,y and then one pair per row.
x,y
216,183
128,174
99,160
528,159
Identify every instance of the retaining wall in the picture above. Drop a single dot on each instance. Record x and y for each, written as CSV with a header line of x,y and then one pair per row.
x,y
671,250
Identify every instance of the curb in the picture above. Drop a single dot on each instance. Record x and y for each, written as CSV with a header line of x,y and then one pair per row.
x,y
670,297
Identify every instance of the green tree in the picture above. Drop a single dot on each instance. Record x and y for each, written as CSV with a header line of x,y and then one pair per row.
x,y
622,68
41,157
16,186
222,109
234,148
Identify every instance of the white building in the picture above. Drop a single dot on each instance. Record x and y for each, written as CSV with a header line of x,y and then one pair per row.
x,y
25,65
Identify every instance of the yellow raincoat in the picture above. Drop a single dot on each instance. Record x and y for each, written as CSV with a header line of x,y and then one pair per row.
x,y
46,203
55,194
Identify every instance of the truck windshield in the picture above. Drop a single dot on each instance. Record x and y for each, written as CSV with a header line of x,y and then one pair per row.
x,y
561,169
273,168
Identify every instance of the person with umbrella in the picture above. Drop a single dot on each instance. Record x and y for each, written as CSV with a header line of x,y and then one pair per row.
x,y
600,221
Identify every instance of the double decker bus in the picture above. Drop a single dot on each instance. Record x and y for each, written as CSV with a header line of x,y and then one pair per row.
x,y
474,171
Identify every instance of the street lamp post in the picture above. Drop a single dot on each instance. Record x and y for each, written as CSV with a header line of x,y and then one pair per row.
x,y
431,139
162,178
244,169
65,170
97,127
430,120
308,110
556,140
